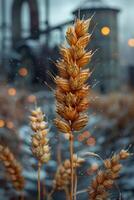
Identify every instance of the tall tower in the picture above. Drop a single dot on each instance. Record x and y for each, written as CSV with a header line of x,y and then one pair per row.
x,y
105,40
16,19
3,27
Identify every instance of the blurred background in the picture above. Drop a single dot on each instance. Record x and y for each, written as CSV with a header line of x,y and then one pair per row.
x,y
30,34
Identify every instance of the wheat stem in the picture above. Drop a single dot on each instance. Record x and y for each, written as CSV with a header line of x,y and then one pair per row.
x,y
50,194
67,193
71,161
22,197
39,167
59,157
75,185
45,194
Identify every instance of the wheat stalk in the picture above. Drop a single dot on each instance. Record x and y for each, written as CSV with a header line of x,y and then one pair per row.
x,y
72,90
13,168
105,179
40,147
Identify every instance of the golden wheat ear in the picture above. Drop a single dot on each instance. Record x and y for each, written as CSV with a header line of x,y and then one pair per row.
x,y
13,168
106,178
72,87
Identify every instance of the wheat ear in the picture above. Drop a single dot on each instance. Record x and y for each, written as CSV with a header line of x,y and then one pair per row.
x,y
72,90
13,168
63,174
106,178
40,147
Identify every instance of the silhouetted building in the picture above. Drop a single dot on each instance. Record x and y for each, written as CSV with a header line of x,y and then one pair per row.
x,y
27,49
104,40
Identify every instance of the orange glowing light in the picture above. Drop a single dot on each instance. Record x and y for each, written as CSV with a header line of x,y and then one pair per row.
x,y
12,91
131,42
31,98
86,134
23,71
80,138
10,125
94,167
105,30
2,123
91,141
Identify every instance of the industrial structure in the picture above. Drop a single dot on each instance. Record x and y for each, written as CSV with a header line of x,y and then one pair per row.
x,y
27,57
104,40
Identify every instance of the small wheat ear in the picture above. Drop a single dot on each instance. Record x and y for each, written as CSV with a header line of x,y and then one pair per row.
x,y
105,179
40,143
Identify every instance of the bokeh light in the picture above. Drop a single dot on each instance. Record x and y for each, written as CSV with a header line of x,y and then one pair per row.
x,y
10,124
86,134
80,137
94,167
31,98
2,123
105,30
91,141
131,42
23,71
12,91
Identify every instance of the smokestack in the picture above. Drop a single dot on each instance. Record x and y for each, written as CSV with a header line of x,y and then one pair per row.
x,y
47,5
3,31
47,12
